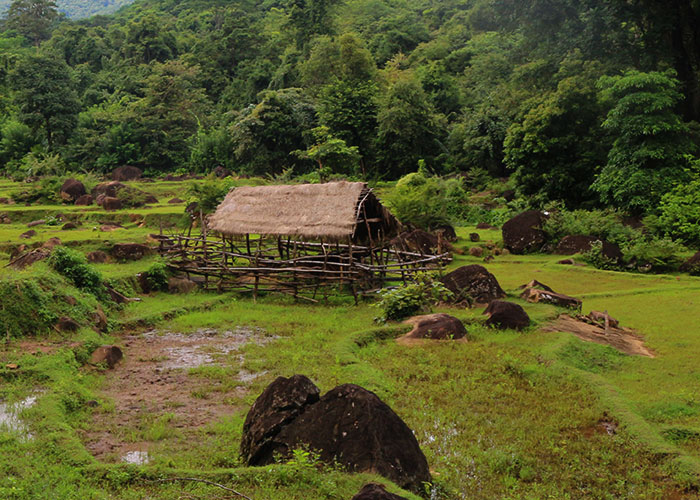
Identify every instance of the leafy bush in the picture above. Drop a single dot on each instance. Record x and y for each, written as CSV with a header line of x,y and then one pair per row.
x,y
598,259
426,201
46,191
411,299
680,212
157,276
656,255
604,224
73,266
210,193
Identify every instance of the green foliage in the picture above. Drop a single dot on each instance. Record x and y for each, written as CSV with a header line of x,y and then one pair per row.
x,y
46,191
331,154
604,224
46,97
427,201
679,212
157,276
73,266
411,299
210,193
16,140
649,154
33,19
555,148
652,254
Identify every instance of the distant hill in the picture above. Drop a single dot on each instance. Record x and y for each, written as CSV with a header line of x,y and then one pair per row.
x,y
77,9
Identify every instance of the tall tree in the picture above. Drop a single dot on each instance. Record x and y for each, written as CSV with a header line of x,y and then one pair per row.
x,y
46,97
32,18
648,157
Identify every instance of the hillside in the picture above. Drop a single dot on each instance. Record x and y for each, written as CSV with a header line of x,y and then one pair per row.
x,y
79,9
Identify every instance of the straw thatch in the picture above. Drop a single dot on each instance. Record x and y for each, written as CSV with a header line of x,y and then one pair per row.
x,y
328,211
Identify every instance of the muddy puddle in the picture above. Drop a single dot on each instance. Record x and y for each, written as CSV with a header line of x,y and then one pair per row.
x,y
158,379
10,417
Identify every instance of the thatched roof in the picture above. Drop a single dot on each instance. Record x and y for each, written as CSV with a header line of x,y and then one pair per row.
x,y
306,210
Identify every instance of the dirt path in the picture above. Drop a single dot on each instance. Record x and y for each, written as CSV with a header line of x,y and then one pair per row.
x,y
152,386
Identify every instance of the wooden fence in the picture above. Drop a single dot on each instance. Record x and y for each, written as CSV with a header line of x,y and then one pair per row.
x,y
298,268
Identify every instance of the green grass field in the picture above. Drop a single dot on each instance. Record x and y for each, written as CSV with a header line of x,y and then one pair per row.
x,y
505,415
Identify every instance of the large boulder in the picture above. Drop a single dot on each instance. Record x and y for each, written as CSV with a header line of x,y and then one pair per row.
x,y
349,425
573,244
72,189
435,326
506,315
473,283
107,189
130,251
375,491
523,233
181,285
692,265
126,173
280,403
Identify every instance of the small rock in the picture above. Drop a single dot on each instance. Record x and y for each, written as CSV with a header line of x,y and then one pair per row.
x,y
446,232
97,257
108,354
69,225
567,262
485,225
36,223
130,251
28,234
474,237
476,251
175,201
221,172
181,285
375,491
109,203
66,324
150,199
84,200
70,300
99,319
91,404
435,326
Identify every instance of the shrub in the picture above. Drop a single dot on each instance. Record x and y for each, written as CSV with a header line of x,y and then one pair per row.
x,y
597,258
47,191
604,224
210,193
157,276
679,215
411,299
426,201
73,266
656,255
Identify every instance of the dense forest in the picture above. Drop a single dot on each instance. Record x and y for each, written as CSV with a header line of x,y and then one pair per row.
x,y
582,103
77,9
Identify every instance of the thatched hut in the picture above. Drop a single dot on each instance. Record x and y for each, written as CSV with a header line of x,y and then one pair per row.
x,y
296,238
335,211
